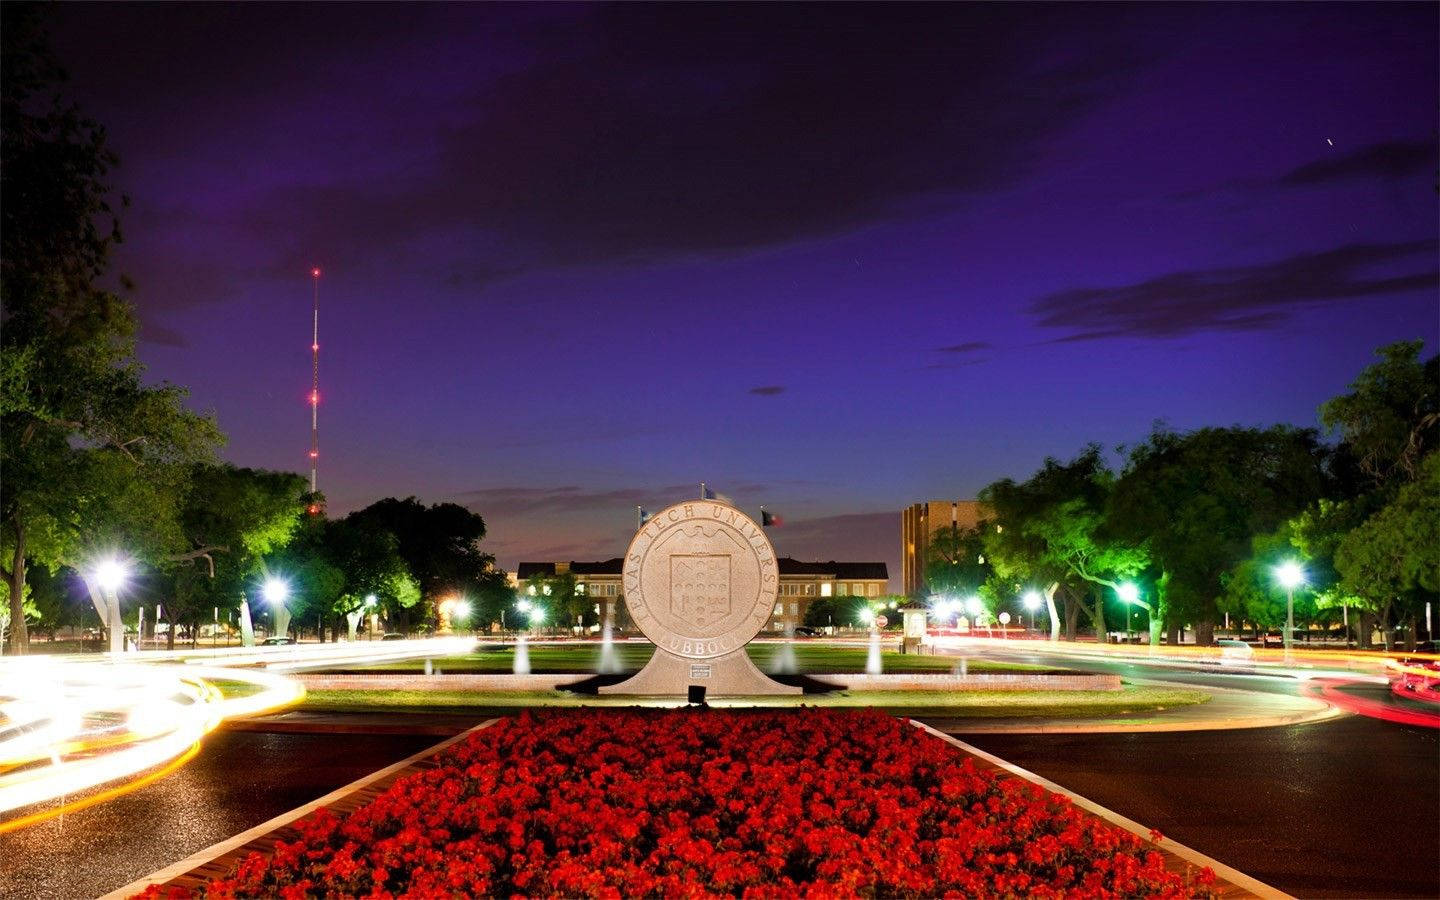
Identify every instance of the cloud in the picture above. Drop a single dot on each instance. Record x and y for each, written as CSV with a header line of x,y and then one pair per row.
x,y
603,134
768,390
967,347
1238,298
1392,159
520,501
153,332
1388,160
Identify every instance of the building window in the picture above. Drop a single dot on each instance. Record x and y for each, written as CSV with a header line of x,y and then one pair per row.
x,y
826,589
779,609
580,588
809,589
874,590
794,609
843,589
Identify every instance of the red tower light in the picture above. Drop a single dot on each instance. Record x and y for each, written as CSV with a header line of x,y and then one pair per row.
x,y
315,273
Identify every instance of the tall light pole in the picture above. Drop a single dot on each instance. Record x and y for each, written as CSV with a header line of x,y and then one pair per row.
x,y
1130,594
315,383
109,575
1032,603
1290,575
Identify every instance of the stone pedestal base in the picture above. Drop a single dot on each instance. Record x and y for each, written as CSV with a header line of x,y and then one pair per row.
x,y
668,675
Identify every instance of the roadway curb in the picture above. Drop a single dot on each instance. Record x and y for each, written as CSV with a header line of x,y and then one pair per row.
x,y
1251,886
215,851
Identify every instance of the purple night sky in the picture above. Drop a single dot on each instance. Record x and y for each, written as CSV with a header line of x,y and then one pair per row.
x,y
833,260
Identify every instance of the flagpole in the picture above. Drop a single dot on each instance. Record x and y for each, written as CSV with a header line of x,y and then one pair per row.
x,y
702,490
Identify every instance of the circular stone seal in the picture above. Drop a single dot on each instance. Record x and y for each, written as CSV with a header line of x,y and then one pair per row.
x,y
700,579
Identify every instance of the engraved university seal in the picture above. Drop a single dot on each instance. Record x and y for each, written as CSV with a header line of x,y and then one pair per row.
x,y
700,579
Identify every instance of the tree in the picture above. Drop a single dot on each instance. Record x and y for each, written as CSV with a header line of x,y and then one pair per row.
x,y
441,546
1251,591
1390,419
1194,501
955,562
232,518
1052,531
92,457
1392,557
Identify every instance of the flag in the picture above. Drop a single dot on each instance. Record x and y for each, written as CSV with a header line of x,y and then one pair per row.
x,y
641,517
707,494
769,519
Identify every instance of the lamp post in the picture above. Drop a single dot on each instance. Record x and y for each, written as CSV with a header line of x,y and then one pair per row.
x,y
110,574
1130,594
1290,575
1032,603
276,591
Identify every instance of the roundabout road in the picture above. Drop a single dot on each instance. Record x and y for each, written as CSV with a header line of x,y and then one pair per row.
x,y
238,780
1348,807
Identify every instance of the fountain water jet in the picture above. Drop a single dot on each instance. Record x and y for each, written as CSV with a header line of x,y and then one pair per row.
x,y
784,663
522,656
609,660
872,659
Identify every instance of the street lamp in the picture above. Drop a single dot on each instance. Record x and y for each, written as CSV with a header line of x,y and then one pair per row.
x,y
1130,594
110,575
973,605
275,592
1032,603
1290,575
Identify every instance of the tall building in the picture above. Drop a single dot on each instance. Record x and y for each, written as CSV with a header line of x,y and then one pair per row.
x,y
800,583
921,520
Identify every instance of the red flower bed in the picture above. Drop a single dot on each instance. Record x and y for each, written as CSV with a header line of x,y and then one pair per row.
x,y
704,802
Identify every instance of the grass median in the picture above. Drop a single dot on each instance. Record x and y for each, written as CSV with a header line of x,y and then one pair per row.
x,y
1129,700
810,659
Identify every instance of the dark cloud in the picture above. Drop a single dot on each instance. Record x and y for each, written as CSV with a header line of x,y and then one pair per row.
x,y
1387,160
1393,159
850,537
967,347
153,332
596,134
517,501
1239,298
768,390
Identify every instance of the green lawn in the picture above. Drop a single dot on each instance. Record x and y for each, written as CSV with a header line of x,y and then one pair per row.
x,y
814,659
957,704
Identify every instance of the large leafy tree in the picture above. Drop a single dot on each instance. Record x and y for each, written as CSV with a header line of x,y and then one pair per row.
x,y
1390,419
1196,500
1051,531
441,546
231,519
94,460
1392,557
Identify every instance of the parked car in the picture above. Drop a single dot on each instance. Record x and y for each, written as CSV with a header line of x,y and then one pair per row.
x,y
277,641
1235,653
806,631
392,636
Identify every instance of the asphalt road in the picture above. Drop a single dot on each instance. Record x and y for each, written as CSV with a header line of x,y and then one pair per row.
x,y
1344,808
238,780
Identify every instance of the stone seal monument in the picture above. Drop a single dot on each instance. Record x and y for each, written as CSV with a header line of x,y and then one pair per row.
x,y
700,582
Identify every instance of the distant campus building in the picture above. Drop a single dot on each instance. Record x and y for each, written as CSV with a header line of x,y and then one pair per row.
x,y
800,583
917,525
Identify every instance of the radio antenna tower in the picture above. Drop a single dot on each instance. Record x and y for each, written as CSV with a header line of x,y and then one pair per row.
x,y
315,382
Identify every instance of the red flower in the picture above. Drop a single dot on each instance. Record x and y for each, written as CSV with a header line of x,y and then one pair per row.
x,y
701,803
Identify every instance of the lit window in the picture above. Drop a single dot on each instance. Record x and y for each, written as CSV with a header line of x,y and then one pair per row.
x,y
826,589
809,589
779,609
580,588
794,609
874,590
531,590
843,589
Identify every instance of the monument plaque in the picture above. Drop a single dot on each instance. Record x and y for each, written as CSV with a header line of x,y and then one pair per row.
x,y
700,582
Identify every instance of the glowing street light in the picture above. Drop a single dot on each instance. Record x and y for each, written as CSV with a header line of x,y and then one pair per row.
x,y
1032,601
1128,592
537,615
371,600
523,606
110,575
276,591
973,605
1290,575
867,616
461,609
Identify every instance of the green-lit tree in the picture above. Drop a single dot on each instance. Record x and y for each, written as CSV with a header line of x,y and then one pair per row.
x,y
93,459
1196,500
